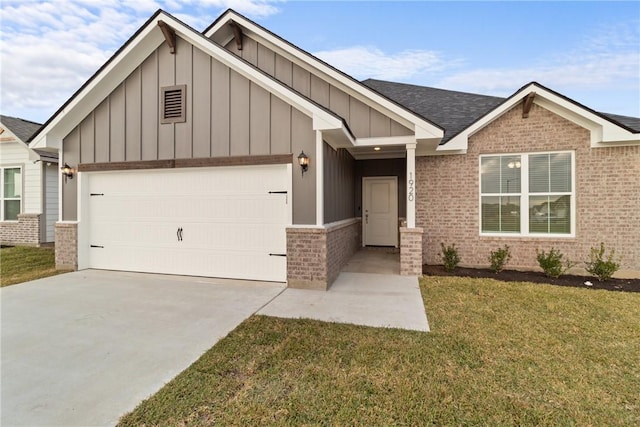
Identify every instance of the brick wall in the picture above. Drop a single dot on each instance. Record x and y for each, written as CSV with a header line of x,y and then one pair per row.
x,y
315,256
607,194
66,246
411,251
25,231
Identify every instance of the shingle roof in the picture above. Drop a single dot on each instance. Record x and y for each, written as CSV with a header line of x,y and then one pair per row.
x,y
453,110
21,128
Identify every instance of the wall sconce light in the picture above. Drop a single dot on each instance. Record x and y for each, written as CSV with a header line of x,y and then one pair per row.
x,y
303,160
513,164
67,172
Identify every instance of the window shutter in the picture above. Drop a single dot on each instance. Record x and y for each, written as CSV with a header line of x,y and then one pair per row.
x,y
172,109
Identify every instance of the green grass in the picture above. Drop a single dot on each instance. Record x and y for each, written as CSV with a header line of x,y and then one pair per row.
x,y
21,263
498,354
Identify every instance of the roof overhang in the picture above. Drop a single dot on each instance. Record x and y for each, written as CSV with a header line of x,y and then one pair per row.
x,y
603,131
139,47
222,32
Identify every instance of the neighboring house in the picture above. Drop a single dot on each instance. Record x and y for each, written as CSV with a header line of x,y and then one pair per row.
x,y
28,186
185,149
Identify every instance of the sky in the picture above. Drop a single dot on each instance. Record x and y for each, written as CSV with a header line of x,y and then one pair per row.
x,y
588,51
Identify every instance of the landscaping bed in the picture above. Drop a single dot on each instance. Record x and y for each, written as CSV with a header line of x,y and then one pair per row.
x,y
626,285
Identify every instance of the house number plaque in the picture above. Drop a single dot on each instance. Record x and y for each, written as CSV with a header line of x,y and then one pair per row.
x,y
410,193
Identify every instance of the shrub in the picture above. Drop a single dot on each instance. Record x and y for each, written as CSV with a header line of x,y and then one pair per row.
x,y
600,266
499,258
450,257
552,264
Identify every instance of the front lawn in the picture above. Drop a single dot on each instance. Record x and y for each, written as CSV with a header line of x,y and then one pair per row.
x,y
498,354
21,263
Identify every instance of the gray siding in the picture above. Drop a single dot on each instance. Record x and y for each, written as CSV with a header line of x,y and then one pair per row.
x,y
339,184
226,115
363,120
382,167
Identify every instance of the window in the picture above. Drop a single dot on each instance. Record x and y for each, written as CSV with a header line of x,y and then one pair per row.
x,y
172,100
527,194
11,193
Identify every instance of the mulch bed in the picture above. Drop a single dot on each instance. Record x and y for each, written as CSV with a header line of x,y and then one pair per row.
x,y
626,285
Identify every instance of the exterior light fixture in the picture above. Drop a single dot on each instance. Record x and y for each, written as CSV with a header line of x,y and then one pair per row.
x,y
514,164
303,161
376,148
67,172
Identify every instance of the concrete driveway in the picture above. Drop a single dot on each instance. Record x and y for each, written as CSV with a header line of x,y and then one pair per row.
x,y
84,348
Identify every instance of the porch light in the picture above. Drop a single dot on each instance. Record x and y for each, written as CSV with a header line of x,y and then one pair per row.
x,y
303,161
513,164
376,148
67,172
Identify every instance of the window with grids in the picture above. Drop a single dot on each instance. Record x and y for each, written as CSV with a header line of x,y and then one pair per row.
x,y
11,193
172,104
527,194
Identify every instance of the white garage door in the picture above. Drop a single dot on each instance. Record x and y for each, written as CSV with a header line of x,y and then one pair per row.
x,y
216,222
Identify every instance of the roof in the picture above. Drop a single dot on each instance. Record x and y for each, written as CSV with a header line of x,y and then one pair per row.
x,y
451,110
21,128
455,111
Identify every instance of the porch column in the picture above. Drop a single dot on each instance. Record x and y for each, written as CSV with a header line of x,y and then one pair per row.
x,y
319,179
411,185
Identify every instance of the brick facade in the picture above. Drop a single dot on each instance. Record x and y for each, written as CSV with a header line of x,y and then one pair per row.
x,y
25,231
411,251
66,246
315,256
607,194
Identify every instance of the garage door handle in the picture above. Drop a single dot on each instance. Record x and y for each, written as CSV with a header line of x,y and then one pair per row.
x,y
179,234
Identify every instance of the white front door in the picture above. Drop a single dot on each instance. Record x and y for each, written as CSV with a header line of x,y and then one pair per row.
x,y
218,222
380,201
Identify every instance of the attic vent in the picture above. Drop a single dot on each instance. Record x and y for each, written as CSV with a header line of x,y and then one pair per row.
x,y
172,109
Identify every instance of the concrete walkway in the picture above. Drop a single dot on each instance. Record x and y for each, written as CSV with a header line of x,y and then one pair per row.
x,y
84,348
378,300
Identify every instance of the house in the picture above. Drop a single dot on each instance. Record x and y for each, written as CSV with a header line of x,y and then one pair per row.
x,y
233,153
28,186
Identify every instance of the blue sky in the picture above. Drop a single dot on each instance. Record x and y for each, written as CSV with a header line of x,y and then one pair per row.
x,y
588,51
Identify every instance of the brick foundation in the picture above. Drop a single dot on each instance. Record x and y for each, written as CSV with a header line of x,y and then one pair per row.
x,y
24,231
411,251
315,256
66,245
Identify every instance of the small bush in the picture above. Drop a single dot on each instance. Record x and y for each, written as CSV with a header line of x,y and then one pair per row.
x,y
600,266
450,257
552,264
499,258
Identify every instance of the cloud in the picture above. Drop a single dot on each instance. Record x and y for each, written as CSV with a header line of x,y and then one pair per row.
x,y
50,48
370,62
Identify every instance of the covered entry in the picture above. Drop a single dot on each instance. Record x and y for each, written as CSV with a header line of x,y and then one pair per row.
x,y
218,222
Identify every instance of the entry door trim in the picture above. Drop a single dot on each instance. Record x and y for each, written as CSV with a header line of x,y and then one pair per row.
x,y
392,234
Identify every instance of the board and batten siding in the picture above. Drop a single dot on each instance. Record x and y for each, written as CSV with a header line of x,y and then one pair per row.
x,y
50,199
339,184
364,121
226,115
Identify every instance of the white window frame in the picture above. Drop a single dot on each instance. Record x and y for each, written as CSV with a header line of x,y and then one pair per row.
x,y
2,198
524,197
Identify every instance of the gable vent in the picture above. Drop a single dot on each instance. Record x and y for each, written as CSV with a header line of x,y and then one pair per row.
x,y
172,109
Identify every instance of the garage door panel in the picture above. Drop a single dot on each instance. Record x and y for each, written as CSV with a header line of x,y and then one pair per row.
x,y
229,221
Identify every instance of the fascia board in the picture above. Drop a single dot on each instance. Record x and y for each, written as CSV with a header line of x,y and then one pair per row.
x,y
322,119
306,61
100,87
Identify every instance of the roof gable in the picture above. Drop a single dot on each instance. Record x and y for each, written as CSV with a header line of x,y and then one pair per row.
x,y
221,32
605,130
147,39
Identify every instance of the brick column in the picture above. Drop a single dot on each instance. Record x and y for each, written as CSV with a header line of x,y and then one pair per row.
x,y
307,258
66,235
411,251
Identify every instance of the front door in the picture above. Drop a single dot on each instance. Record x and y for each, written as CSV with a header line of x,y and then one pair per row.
x,y
380,219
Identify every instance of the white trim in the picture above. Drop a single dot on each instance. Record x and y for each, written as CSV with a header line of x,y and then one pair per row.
x,y
603,132
319,178
422,128
524,198
83,236
411,185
